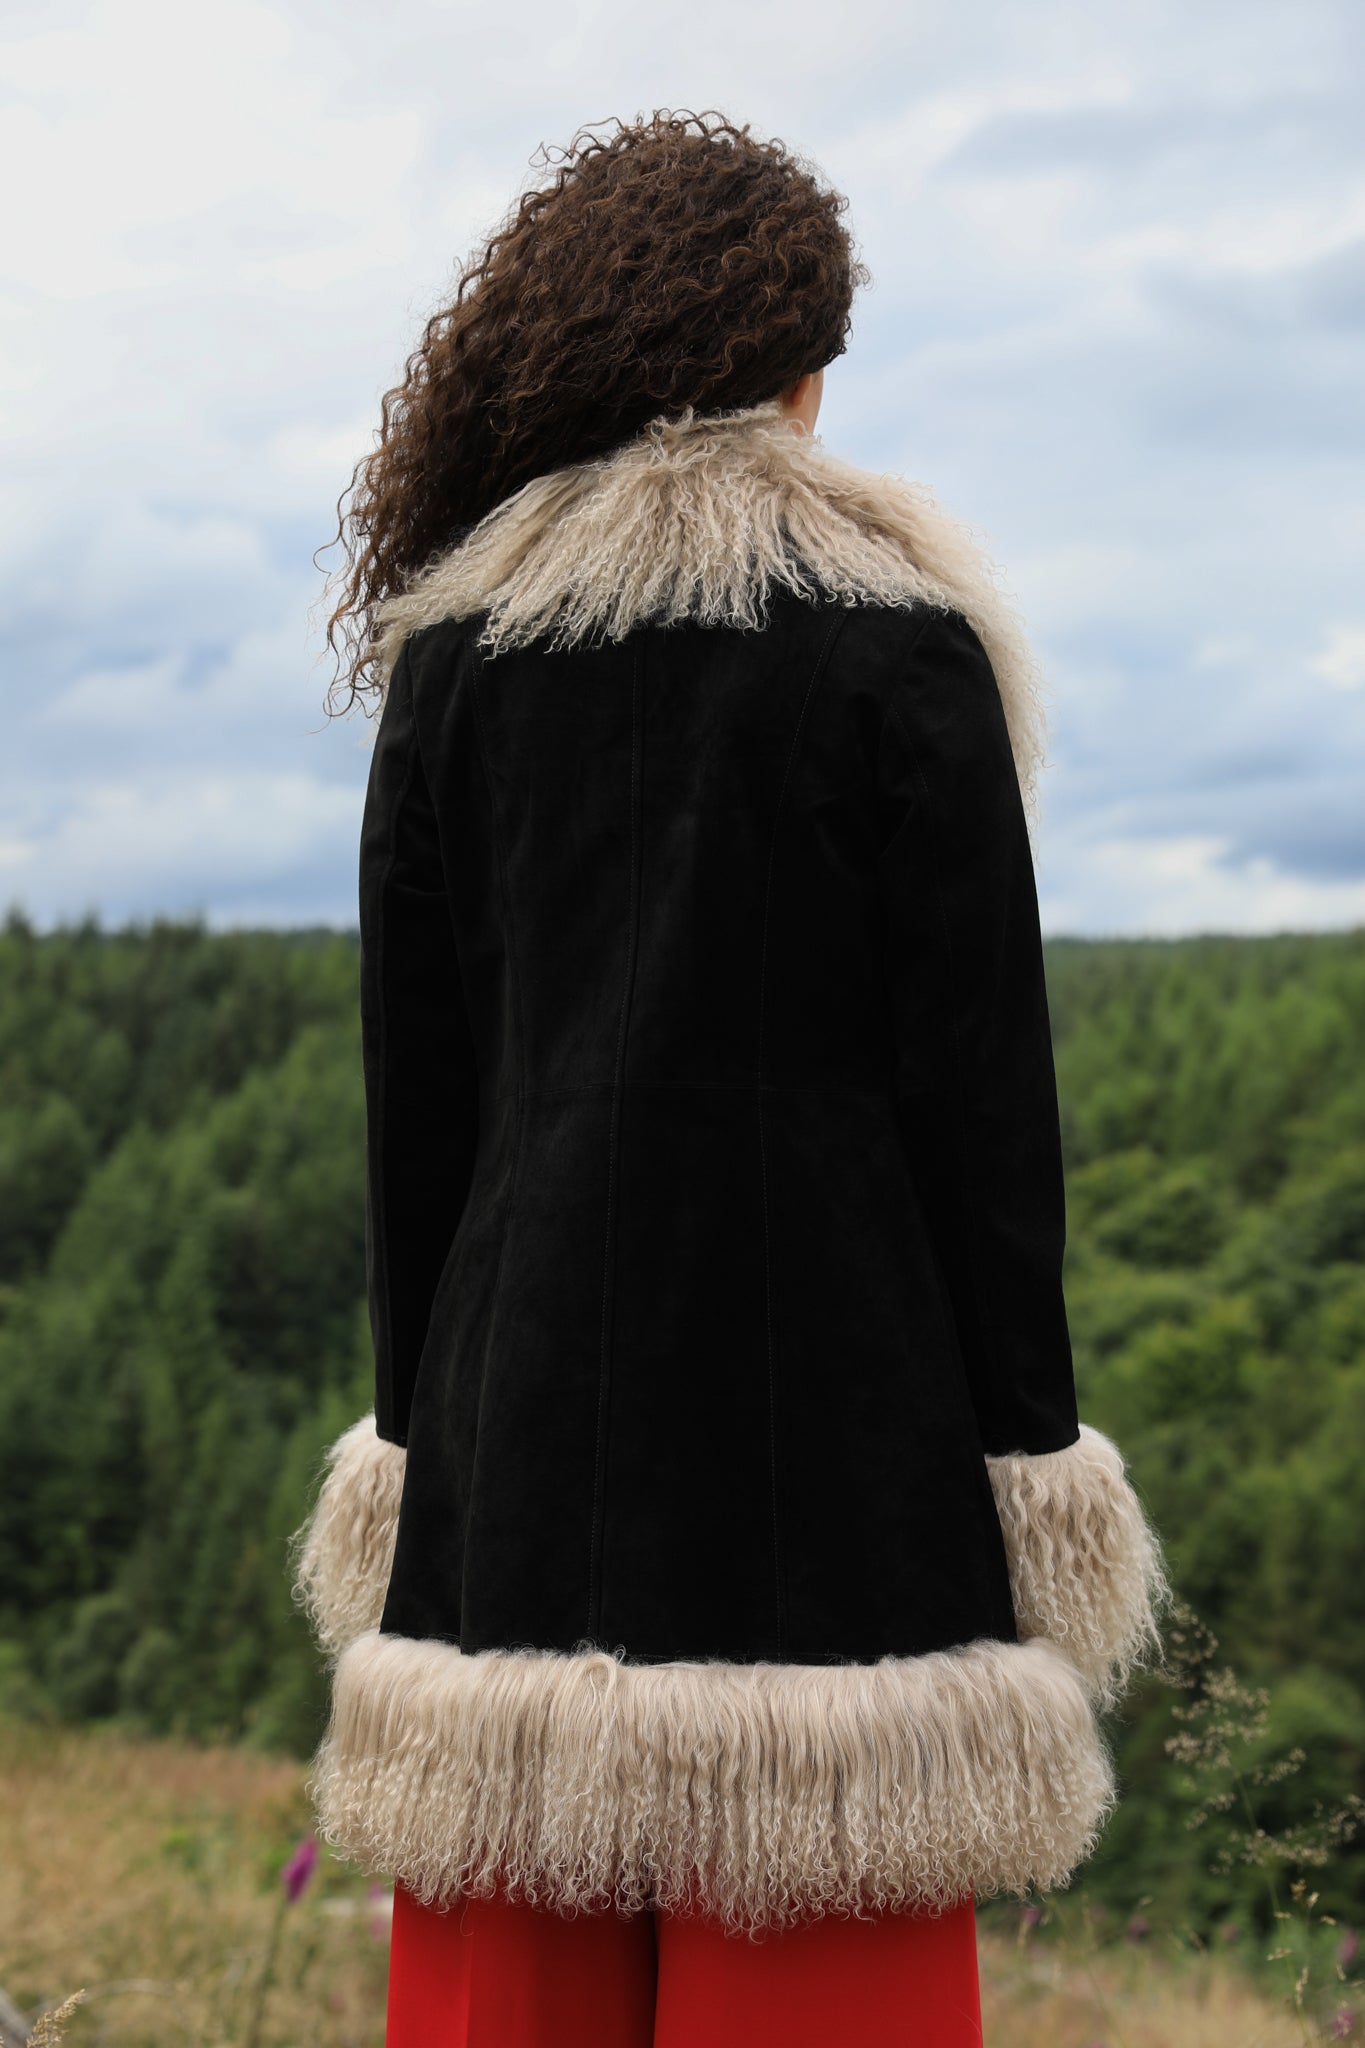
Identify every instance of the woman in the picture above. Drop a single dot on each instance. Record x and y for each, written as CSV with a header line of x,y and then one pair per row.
x,y
724,1587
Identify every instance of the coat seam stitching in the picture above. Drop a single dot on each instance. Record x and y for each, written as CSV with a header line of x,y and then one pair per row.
x,y
958,1060
444,890
779,1583
410,762
889,710
597,1531
520,1089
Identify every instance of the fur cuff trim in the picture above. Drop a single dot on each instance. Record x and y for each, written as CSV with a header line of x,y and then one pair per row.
x,y
700,517
1086,1567
343,1553
757,1793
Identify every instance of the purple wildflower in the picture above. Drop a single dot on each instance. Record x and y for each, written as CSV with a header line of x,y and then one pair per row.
x,y
1137,1928
300,1867
1344,2025
1348,1948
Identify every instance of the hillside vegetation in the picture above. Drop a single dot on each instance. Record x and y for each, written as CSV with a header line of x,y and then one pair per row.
x,y
182,1331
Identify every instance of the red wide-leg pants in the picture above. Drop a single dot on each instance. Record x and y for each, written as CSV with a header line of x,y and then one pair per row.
x,y
495,1973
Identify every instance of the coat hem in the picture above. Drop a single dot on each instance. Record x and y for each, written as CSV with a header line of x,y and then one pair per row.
x,y
759,1794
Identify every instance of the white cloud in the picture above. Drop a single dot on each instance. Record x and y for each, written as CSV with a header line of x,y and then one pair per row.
x,y
1113,324
1165,888
144,128
176,844
1342,660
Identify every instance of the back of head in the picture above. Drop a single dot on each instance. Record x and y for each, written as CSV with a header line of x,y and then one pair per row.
x,y
676,262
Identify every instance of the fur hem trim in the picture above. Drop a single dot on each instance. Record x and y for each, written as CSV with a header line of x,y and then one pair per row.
x,y
343,1553
1087,1570
699,518
759,1794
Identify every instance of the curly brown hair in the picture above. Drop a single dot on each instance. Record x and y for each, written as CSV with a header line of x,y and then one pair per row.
x,y
678,262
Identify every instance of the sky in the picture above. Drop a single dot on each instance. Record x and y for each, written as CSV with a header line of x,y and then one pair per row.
x,y
1115,322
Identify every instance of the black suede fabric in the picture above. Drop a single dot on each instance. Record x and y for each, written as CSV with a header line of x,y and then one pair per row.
x,y
715,1196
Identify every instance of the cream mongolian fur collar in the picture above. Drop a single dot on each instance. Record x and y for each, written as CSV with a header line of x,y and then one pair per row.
x,y
698,518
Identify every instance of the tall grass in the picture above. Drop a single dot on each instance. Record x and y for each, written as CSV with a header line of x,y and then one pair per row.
x,y
169,1894
1142,1980
147,1875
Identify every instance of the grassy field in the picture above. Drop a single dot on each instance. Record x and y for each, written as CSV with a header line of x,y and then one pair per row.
x,y
148,1876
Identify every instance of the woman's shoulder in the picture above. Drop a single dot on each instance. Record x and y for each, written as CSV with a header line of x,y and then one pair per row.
x,y
941,711
893,633
919,659
428,655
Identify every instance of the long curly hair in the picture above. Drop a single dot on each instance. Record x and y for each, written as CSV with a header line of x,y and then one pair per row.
x,y
679,261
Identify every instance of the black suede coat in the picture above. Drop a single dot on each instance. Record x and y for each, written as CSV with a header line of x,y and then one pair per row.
x,y
724,1532
715,1185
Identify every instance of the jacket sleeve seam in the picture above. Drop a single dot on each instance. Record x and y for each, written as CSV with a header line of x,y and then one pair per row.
x,y
411,762
889,711
928,614
893,715
519,1089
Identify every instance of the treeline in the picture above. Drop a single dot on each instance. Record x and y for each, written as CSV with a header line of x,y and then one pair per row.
x,y
1213,1106
182,1326
182,1331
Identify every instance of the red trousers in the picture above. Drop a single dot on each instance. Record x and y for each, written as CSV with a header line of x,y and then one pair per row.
x,y
493,1973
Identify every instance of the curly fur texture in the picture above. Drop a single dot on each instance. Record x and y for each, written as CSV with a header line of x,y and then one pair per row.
x,y
343,1553
1086,1567
699,518
760,1794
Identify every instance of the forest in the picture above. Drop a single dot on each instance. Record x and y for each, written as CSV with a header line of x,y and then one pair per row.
x,y
183,1331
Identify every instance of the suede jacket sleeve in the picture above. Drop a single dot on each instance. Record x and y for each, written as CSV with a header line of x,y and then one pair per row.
x,y
977,1102
421,1084
975,1082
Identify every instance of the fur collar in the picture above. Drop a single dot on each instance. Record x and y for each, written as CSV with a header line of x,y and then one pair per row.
x,y
698,518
